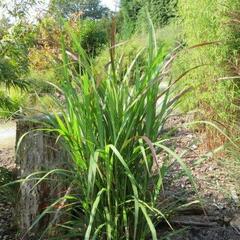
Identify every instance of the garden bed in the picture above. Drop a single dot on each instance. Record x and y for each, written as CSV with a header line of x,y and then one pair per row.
x,y
214,178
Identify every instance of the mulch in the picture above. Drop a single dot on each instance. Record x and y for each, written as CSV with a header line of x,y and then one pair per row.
x,y
217,216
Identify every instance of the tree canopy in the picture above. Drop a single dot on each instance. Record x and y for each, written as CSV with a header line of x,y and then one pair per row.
x,y
161,12
83,8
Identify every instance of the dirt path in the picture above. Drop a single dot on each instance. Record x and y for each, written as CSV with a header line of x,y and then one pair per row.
x,y
7,144
7,134
217,182
7,199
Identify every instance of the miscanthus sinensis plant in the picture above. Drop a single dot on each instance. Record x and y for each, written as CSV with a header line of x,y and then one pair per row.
x,y
111,129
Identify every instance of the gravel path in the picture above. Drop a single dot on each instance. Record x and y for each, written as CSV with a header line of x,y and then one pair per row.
x,y
7,194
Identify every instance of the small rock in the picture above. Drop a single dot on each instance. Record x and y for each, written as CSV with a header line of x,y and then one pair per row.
x,y
235,222
234,196
194,147
227,219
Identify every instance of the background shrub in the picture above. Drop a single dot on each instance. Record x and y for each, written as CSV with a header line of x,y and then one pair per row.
x,y
214,90
133,14
92,35
125,52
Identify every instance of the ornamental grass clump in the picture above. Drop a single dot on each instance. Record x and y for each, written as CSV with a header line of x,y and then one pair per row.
x,y
111,129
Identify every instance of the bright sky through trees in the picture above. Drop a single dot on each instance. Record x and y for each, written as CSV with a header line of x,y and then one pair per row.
x,y
111,4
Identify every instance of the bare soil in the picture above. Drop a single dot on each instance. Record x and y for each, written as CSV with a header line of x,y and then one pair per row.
x,y
7,193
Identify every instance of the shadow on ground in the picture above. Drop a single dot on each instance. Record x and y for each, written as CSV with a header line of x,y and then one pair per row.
x,y
8,196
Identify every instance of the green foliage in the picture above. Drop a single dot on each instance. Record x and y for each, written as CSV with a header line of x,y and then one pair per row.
x,y
40,81
213,90
125,52
31,56
92,35
12,102
5,103
129,14
8,75
14,62
14,47
4,26
162,11
80,8
19,9
134,16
